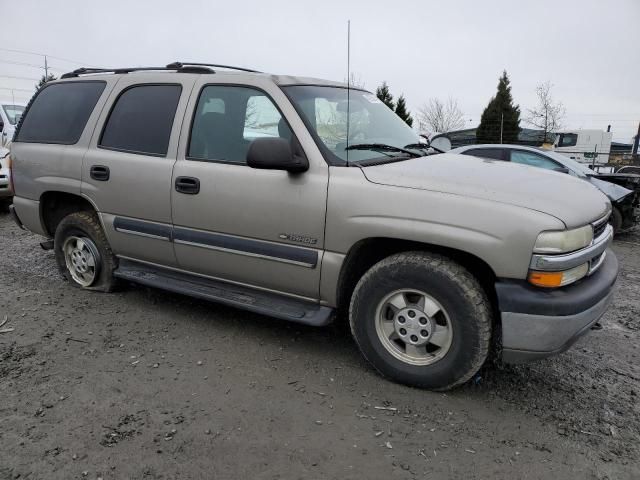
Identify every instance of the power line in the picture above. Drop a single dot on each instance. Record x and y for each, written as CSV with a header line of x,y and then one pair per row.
x,y
19,78
26,52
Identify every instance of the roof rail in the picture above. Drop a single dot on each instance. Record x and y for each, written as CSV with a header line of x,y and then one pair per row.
x,y
178,67
229,67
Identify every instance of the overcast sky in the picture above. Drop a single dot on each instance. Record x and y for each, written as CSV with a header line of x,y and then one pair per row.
x,y
589,50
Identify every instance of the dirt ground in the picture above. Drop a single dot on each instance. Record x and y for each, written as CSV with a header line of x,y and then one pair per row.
x,y
146,384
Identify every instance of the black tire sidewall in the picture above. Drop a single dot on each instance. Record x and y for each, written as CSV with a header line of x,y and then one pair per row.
x,y
76,225
461,310
616,220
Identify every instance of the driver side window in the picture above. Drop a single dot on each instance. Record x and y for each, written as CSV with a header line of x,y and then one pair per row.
x,y
228,118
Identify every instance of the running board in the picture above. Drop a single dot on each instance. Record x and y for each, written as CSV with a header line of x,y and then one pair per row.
x,y
247,298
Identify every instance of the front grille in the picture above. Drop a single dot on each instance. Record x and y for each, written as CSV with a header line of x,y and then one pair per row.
x,y
599,227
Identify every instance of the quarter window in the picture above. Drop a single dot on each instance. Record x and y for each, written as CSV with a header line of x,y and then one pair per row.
x,y
493,153
533,159
228,119
59,113
141,120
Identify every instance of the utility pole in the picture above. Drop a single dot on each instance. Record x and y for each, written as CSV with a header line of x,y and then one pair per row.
x,y
501,125
636,141
46,69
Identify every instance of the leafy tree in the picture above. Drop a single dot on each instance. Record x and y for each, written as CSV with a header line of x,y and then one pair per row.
x,y
402,112
500,114
45,78
382,92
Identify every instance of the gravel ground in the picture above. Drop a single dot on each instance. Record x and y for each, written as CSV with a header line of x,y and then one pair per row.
x,y
146,384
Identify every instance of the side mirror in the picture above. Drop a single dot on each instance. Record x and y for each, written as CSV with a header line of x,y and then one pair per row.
x,y
561,169
275,154
441,143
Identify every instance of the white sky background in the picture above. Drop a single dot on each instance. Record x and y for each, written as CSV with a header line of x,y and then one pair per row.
x,y
589,49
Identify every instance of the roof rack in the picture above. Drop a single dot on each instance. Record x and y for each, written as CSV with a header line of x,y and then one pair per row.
x,y
217,65
183,67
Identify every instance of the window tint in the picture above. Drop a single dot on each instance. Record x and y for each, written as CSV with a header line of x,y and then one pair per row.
x,y
141,119
59,113
533,159
228,119
493,153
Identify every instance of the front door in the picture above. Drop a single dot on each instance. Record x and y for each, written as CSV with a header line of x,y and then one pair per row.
x,y
263,228
127,169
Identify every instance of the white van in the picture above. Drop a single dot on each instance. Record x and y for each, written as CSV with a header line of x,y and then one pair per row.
x,y
580,145
10,114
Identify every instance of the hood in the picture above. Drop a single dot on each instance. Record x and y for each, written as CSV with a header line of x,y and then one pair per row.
x,y
574,201
611,190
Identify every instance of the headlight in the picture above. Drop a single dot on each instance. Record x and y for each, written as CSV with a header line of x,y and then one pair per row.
x,y
558,279
564,241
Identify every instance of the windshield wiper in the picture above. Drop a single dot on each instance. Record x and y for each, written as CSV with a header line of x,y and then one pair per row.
x,y
424,147
382,147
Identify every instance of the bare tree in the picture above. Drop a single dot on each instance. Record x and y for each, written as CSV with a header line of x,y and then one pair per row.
x,y
355,80
439,116
548,114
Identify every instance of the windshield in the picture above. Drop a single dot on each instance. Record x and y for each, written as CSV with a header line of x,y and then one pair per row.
x,y
13,112
370,122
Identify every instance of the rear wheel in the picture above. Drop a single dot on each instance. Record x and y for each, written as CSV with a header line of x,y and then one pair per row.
x,y
83,253
422,320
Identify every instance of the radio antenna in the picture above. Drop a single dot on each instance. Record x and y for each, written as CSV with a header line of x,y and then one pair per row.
x,y
348,83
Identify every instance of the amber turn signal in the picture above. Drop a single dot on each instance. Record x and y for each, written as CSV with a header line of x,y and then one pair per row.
x,y
546,279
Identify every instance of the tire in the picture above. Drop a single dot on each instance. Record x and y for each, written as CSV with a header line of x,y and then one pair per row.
x,y
82,237
5,203
616,220
464,318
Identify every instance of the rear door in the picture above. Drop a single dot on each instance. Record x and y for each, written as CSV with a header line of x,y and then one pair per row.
x,y
263,228
127,169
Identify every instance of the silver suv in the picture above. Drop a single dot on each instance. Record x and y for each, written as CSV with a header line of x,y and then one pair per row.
x,y
300,198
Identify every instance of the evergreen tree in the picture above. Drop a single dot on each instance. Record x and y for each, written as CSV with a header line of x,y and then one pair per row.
x,y
500,111
382,92
44,80
402,112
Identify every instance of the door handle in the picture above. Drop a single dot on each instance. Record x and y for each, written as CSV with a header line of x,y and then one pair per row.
x,y
188,185
99,173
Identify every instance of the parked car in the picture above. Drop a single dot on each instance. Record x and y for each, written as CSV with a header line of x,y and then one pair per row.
x,y
9,117
625,201
629,169
5,187
149,177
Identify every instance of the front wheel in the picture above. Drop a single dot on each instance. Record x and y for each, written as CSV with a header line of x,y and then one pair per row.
x,y
616,220
83,253
422,320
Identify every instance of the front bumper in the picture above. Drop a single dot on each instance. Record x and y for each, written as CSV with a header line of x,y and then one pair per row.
x,y
538,323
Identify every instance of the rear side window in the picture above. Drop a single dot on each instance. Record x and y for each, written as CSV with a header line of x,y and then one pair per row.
x,y
59,113
494,153
141,119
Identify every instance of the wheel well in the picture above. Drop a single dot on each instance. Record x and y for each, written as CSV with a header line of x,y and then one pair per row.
x,y
366,253
54,206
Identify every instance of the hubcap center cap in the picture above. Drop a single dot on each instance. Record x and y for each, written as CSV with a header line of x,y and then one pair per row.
x,y
413,325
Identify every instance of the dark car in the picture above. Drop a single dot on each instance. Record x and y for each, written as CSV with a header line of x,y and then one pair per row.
x,y
622,189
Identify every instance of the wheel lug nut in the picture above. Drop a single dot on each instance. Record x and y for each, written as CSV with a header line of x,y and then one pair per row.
x,y
424,333
423,321
414,338
403,331
412,313
401,319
